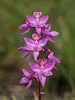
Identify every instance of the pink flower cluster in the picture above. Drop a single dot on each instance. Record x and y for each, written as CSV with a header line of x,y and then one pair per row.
x,y
43,67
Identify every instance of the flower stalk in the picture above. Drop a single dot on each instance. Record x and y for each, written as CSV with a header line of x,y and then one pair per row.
x,y
39,91
43,67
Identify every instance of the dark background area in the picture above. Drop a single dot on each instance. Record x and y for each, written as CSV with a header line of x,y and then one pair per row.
x,y
62,19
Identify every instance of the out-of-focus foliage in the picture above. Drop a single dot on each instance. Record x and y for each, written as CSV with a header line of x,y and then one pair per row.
x,y
13,98
62,19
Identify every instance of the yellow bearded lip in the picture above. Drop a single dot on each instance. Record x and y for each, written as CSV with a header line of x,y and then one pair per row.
x,y
49,50
42,63
37,15
46,25
36,38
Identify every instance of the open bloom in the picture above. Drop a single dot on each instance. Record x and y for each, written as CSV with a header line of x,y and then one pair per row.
x,y
50,56
48,34
27,78
35,44
36,21
25,27
42,69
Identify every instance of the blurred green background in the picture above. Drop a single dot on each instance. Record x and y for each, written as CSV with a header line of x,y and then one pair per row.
x,y
62,19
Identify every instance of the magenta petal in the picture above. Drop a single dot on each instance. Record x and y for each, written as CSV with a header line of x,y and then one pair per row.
x,y
29,84
44,52
24,32
49,66
49,27
43,20
30,48
55,68
23,26
24,80
42,79
26,55
22,49
35,54
54,33
34,66
33,24
39,48
45,49
29,41
38,30
50,54
55,59
30,19
48,73
28,24
51,40
27,73
48,34
43,42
